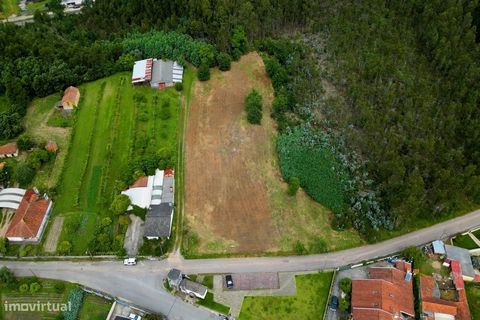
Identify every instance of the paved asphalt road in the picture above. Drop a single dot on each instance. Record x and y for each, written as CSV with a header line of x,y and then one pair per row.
x,y
142,284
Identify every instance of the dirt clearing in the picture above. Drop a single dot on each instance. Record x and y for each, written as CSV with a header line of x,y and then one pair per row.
x,y
235,197
226,201
53,235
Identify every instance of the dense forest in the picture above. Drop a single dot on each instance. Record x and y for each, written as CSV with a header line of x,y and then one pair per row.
x,y
403,123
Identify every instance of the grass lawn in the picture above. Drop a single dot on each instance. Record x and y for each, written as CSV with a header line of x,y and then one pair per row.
x,y
94,308
473,296
37,125
209,303
464,241
111,128
477,234
47,293
8,7
309,303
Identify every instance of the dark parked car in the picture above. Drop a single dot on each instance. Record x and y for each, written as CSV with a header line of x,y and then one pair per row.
x,y
334,303
229,281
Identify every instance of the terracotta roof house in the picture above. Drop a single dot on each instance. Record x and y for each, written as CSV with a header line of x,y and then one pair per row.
x,y
386,294
435,308
70,98
9,150
29,220
51,146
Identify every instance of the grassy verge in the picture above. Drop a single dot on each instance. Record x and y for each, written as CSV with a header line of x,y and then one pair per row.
x,y
309,303
47,293
94,308
473,296
209,303
188,83
36,6
464,241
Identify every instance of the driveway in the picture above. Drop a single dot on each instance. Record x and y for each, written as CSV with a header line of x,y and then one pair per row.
x,y
134,235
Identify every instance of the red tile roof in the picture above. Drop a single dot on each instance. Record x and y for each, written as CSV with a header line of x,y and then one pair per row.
x,y
71,95
169,173
371,314
141,182
457,274
51,146
431,304
29,216
9,148
385,292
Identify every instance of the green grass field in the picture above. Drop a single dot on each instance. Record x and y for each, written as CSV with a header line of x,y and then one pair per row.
x,y
209,303
473,296
465,241
46,294
8,7
94,308
111,128
309,303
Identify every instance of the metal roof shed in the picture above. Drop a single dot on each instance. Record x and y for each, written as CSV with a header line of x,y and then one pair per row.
x,y
438,247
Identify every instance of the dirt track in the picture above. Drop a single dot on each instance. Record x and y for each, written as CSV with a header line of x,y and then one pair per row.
x,y
226,201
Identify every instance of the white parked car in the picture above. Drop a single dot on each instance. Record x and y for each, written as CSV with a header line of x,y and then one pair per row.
x,y
130,261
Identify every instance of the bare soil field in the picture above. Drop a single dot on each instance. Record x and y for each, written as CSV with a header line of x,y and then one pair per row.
x,y
235,198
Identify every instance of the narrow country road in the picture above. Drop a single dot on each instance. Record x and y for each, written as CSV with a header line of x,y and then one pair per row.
x,y
142,284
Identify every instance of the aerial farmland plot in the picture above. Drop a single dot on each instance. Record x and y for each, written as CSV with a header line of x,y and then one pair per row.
x,y
235,199
115,124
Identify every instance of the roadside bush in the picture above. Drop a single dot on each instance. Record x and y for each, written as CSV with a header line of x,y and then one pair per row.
x,y
224,61
25,142
414,254
293,185
253,107
64,247
299,248
124,220
59,287
23,174
75,298
318,245
345,285
7,277
203,73
23,288
35,287
3,245
179,86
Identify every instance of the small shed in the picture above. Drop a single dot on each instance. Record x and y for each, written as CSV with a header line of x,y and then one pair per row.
x,y
9,150
70,98
51,146
174,277
438,247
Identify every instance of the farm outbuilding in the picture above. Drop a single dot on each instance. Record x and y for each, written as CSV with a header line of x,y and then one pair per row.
x,y
157,72
9,150
70,99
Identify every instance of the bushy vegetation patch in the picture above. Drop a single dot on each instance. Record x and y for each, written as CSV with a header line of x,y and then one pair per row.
x,y
170,45
317,169
253,107
75,299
